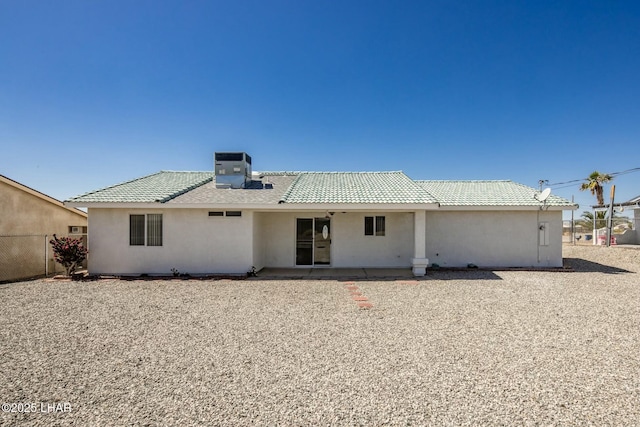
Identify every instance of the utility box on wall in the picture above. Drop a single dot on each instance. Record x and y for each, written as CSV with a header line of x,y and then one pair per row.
x,y
543,229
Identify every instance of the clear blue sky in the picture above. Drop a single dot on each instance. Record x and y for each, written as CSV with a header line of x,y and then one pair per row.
x,y
93,93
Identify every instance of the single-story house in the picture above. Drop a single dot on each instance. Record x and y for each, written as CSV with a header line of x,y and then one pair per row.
x,y
28,219
231,220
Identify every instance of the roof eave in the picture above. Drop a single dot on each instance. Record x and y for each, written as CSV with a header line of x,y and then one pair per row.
x,y
505,208
260,206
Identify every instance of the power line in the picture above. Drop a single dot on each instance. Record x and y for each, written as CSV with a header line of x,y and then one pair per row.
x,y
573,181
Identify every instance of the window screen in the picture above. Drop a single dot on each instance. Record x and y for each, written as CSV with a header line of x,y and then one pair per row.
x,y
380,226
136,230
154,230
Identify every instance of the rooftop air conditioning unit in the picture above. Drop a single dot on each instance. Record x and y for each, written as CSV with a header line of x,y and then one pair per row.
x,y
233,170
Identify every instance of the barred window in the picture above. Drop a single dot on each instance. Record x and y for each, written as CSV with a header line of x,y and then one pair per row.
x,y
154,230
151,223
136,230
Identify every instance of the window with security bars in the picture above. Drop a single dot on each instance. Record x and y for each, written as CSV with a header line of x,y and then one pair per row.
x,y
154,230
374,226
149,226
136,230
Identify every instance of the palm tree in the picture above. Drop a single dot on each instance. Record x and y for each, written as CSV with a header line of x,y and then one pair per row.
x,y
586,221
594,184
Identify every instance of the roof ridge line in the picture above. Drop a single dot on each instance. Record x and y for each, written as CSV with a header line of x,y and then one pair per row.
x,y
172,171
464,180
351,172
185,190
114,185
283,198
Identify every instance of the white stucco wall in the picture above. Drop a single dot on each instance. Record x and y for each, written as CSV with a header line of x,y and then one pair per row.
x,y
193,242
349,246
196,243
277,236
258,240
353,249
493,238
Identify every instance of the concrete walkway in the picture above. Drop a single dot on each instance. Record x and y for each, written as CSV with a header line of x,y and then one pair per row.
x,y
334,273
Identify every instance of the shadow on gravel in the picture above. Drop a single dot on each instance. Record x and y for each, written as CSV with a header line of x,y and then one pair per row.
x,y
582,265
462,274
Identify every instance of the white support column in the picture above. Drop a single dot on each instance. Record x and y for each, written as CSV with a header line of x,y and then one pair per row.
x,y
419,261
594,236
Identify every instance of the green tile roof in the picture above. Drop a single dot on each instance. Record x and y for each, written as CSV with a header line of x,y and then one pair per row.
x,y
159,187
487,193
318,188
356,187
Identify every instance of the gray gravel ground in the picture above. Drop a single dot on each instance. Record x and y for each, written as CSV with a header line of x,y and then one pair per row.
x,y
457,348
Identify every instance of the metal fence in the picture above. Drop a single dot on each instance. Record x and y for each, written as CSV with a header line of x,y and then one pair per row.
x,y
581,232
27,256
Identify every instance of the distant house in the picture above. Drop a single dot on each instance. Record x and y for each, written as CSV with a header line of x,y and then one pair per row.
x,y
28,219
630,236
232,219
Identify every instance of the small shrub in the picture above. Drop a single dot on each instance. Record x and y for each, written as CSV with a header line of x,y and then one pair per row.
x,y
69,252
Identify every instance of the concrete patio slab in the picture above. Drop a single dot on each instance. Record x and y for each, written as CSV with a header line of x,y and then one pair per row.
x,y
334,273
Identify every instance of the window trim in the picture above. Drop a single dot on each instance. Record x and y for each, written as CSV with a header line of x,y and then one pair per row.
x,y
144,229
375,226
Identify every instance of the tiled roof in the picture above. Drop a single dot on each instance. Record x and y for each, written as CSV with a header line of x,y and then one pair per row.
x,y
318,188
487,193
159,187
356,187
208,193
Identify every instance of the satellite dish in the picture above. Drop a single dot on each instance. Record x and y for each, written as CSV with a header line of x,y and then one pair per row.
x,y
544,195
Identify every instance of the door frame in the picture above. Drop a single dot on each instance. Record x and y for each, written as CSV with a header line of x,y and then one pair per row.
x,y
313,242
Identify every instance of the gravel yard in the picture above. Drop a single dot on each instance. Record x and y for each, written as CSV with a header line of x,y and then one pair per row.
x,y
457,348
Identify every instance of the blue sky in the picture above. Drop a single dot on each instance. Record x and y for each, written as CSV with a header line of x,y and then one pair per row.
x,y
93,93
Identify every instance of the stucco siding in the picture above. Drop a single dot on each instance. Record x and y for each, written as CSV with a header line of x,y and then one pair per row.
x,y
278,234
24,213
349,246
193,242
27,218
493,238
352,248
258,240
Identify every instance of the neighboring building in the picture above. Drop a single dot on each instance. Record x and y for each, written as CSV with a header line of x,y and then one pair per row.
x,y
630,236
28,219
232,220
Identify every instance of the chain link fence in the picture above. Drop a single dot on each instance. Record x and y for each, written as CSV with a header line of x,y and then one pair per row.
x,y
26,256
580,232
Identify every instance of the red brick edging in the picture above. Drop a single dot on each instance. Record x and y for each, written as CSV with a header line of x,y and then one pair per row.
x,y
361,300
